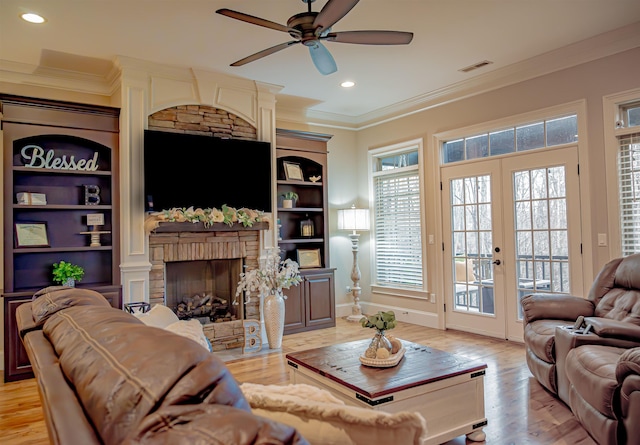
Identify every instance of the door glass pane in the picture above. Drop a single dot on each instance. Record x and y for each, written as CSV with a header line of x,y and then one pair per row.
x,y
472,244
542,251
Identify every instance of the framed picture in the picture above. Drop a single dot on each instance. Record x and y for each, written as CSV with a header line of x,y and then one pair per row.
x,y
308,258
32,234
292,171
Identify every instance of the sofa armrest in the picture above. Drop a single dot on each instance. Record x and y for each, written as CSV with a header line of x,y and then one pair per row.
x,y
608,328
555,307
63,413
628,365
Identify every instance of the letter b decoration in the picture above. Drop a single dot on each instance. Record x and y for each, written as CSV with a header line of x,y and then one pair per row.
x,y
91,195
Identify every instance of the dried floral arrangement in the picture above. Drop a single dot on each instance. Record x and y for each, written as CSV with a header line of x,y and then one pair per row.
x,y
273,275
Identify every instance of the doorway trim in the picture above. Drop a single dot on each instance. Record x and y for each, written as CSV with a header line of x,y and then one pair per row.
x,y
579,108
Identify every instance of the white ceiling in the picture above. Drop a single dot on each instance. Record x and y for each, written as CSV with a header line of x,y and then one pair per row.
x,y
448,35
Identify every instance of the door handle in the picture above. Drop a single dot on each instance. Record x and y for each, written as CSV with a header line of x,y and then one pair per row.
x,y
497,262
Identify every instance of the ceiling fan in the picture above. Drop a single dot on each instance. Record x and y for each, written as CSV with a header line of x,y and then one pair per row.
x,y
310,28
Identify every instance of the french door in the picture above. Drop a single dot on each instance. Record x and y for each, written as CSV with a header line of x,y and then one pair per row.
x,y
511,228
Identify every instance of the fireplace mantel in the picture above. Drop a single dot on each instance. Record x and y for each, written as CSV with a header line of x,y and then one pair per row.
x,y
176,227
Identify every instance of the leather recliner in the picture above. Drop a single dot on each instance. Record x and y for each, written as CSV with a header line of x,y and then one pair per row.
x,y
594,368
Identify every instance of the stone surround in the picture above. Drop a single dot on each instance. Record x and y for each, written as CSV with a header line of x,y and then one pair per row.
x,y
202,120
235,243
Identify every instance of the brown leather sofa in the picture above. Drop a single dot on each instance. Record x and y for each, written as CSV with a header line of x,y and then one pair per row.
x,y
593,367
106,378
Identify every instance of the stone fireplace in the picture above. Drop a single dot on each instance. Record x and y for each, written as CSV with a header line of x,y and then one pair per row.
x,y
175,248
204,289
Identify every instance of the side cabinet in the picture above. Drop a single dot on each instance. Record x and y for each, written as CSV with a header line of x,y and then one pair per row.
x,y
311,304
16,361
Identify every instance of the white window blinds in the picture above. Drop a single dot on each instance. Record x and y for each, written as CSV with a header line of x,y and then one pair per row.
x,y
629,191
398,245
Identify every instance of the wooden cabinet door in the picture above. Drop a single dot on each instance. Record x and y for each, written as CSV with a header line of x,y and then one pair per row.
x,y
16,361
320,300
294,309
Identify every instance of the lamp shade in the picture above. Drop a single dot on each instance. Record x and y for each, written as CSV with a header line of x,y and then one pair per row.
x,y
353,219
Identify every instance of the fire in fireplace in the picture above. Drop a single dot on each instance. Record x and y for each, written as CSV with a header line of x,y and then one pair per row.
x,y
204,289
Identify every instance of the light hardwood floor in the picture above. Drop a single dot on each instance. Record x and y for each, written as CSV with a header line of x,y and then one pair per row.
x,y
518,409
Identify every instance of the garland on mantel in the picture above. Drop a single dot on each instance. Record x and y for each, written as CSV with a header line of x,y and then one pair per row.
x,y
209,216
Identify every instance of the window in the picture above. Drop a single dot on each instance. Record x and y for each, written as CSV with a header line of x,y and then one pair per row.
x,y
541,134
622,157
396,216
629,192
630,115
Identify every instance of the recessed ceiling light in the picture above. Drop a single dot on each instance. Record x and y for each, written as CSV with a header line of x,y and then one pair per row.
x,y
347,84
33,18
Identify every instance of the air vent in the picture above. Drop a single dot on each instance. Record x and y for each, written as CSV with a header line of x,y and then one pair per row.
x,y
475,66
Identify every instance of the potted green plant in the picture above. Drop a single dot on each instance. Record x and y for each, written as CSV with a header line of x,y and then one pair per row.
x,y
288,198
67,274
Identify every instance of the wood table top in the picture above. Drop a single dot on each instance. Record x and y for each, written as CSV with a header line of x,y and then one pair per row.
x,y
419,366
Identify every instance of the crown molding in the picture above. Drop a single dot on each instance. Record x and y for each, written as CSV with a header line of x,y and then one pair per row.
x,y
597,47
606,44
26,74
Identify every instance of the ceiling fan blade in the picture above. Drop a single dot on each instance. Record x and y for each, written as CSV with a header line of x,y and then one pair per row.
x,y
264,53
371,37
258,21
333,11
322,58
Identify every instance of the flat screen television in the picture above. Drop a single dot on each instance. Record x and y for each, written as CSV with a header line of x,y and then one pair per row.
x,y
184,170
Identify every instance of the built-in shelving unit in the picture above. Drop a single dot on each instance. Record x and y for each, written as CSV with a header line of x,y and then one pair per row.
x,y
311,305
57,150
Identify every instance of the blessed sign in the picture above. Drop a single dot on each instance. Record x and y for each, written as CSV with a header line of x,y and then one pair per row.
x,y
37,157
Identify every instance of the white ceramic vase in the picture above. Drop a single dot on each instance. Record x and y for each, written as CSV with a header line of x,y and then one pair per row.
x,y
70,282
274,319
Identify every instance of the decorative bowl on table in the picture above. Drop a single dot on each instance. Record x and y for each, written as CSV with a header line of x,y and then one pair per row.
x,y
393,360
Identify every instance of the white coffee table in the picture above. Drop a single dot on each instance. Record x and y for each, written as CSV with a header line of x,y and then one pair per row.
x,y
448,390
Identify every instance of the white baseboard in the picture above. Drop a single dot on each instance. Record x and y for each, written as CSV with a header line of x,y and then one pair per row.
x,y
420,318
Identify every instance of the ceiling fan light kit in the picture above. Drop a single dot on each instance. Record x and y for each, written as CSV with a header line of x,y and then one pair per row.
x,y
309,28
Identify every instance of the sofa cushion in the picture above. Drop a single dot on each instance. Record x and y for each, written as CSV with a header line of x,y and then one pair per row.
x,y
159,316
50,300
591,370
119,384
616,290
622,304
324,420
539,337
191,329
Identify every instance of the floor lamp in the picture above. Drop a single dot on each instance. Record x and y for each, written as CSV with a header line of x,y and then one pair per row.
x,y
354,219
